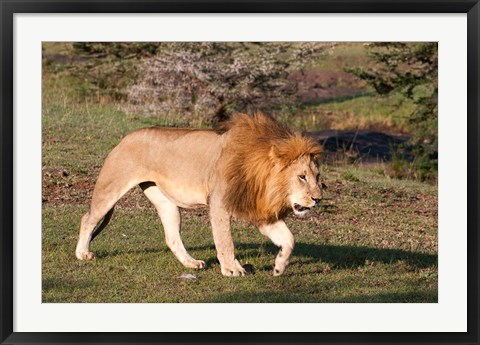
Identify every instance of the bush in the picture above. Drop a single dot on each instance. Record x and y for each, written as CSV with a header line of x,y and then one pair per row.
x,y
210,80
107,69
410,69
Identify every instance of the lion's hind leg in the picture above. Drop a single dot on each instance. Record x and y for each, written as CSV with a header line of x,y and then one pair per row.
x,y
106,194
99,209
170,217
88,231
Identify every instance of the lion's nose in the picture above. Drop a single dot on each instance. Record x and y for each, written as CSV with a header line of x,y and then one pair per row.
x,y
317,200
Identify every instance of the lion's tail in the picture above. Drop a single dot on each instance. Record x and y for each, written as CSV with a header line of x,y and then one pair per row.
x,y
104,223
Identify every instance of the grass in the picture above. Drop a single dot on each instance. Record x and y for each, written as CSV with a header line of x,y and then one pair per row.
x,y
373,239
363,111
345,55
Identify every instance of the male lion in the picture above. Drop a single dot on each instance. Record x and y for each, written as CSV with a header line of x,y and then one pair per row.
x,y
251,168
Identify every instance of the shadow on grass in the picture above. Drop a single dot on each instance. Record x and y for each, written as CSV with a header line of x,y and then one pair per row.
x,y
354,256
339,257
59,287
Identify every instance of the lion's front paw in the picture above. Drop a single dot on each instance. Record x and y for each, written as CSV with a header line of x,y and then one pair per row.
x,y
197,264
234,271
278,272
279,267
85,256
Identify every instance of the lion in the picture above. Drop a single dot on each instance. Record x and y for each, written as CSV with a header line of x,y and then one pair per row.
x,y
250,168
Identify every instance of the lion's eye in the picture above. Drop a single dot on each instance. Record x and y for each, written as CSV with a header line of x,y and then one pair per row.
x,y
302,177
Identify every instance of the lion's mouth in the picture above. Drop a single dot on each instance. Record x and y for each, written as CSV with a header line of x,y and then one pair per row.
x,y
300,210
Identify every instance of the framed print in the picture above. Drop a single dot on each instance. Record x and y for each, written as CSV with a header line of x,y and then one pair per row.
x,y
313,167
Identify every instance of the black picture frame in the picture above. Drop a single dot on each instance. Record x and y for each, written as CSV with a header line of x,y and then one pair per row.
x,y
9,8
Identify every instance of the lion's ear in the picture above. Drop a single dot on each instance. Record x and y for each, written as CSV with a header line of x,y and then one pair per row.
x,y
273,154
277,156
315,157
316,152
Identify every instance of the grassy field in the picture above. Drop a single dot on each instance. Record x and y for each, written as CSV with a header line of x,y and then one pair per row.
x,y
373,239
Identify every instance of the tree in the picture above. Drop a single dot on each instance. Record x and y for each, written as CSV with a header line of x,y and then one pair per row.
x,y
107,69
209,80
410,69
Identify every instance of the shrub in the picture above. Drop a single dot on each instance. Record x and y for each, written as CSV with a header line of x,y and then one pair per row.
x,y
209,80
410,69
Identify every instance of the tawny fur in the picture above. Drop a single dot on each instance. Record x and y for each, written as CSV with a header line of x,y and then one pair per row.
x,y
253,168
256,156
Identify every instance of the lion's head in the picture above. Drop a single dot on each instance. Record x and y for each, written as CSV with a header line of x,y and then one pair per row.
x,y
269,169
303,189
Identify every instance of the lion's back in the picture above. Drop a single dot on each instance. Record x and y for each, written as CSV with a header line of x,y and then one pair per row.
x,y
180,161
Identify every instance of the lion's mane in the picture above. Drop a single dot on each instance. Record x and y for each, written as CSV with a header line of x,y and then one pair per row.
x,y
257,153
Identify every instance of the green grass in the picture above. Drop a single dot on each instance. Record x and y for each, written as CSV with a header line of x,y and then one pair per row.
x,y
345,55
369,111
339,263
363,111
373,239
